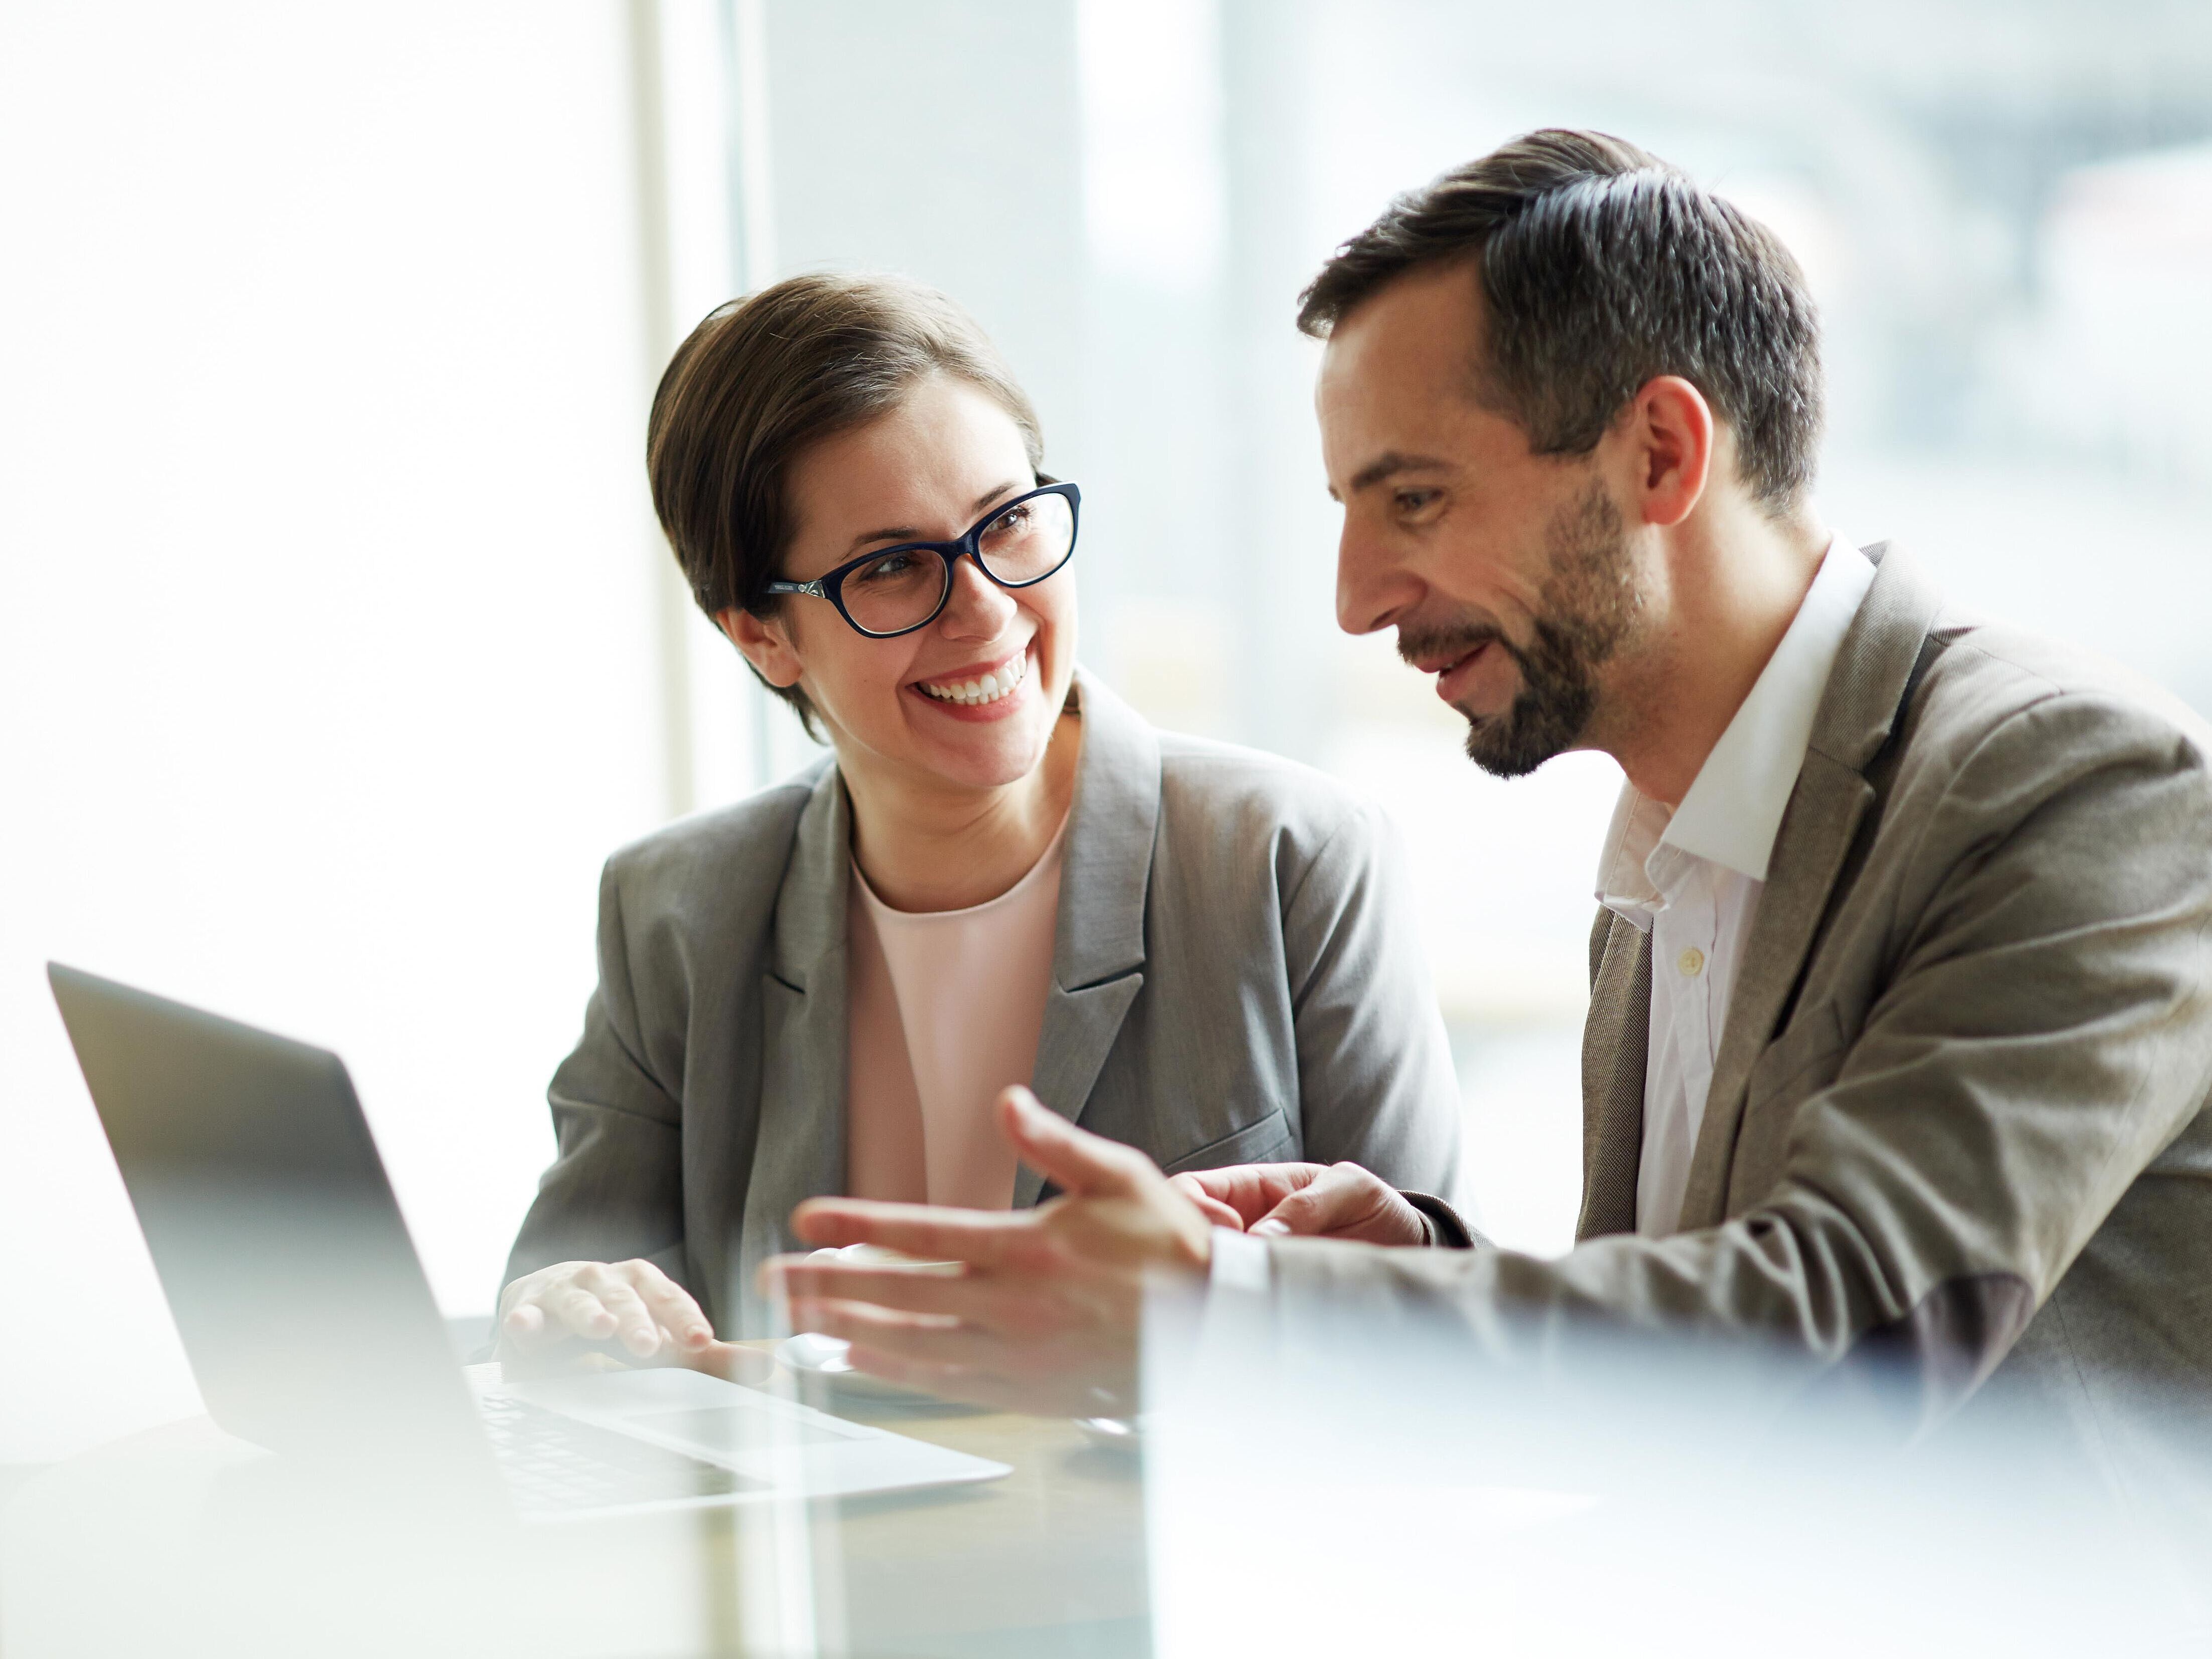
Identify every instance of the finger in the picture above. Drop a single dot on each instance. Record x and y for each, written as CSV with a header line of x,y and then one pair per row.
x,y
1051,1395
583,1313
673,1307
730,1361
928,1375
636,1328
1216,1212
1251,1189
928,1338
883,1287
1344,1201
1018,1306
1073,1159
1323,1205
917,1229
525,1326
957,1383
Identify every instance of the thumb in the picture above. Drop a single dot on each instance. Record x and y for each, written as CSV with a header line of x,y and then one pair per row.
x,y
1323,1205
731,1362
1073,1159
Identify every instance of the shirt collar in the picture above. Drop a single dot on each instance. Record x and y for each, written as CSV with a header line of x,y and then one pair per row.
x,y
1733,807
1627,884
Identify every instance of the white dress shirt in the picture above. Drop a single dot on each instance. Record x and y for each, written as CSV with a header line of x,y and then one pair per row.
x,y
1691,879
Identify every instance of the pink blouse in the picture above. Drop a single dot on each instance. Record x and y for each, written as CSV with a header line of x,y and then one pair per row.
x,y
945,1009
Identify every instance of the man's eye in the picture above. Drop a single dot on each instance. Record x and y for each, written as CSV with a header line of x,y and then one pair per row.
x,y
1413,501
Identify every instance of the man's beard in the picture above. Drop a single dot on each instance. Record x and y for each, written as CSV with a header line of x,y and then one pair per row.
x,y
1588,605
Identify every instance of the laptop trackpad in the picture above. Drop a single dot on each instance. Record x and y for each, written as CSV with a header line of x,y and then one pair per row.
x,y
689,1406
735,1429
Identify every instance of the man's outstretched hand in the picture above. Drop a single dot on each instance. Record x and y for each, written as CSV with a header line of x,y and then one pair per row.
x,y
1314,1201
1044,1316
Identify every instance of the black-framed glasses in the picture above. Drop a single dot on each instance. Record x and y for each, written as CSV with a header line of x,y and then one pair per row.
x,y
895,590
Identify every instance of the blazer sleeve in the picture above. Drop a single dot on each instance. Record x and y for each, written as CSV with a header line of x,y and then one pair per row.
x,y
1377,1086
2044,1033
615,1190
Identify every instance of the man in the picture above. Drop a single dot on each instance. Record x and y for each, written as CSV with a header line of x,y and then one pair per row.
x,y
1901,1016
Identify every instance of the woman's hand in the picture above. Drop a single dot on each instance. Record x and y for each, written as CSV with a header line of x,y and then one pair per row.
x,y
1313,1201
632,1305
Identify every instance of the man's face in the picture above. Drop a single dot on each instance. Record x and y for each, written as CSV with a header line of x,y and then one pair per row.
x,y
1507,575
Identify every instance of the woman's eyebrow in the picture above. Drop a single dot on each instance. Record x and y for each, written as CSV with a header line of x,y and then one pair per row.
x,y
899,534
909,534
991,496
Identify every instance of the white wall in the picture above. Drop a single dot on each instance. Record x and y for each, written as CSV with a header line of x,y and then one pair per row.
x,y
326,625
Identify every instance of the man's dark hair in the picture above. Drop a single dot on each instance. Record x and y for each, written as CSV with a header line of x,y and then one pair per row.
x,y
766,378
1602,267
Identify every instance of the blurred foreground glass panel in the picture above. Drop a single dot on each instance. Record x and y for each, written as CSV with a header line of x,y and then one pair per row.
x,y
1321,1481
183,1541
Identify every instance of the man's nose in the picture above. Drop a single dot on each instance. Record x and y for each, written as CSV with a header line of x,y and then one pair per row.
x,y
1371,589
977,606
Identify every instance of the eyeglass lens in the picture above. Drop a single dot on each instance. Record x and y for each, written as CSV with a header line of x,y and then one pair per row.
x,y
1028,541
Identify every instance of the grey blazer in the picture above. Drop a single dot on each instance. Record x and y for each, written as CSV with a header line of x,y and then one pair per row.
x,y
1237,979
1959,1114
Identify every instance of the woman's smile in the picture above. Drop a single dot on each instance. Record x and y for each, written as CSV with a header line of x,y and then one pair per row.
x,y
982,691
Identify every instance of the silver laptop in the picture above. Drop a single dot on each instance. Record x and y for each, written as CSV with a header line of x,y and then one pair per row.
x,y
311,1331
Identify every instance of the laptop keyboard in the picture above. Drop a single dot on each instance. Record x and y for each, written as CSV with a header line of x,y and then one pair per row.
x,y
555,1463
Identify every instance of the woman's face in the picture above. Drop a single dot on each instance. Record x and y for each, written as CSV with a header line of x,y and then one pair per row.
x,y
928,470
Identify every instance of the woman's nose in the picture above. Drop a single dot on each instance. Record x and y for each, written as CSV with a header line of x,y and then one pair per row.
x,y
977,605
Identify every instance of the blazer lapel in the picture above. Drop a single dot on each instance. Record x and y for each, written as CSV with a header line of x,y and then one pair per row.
x,y
1614,1038
1864,701
1106,866
801,1150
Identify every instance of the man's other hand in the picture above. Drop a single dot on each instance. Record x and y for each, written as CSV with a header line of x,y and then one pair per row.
x,y
1313,1201
1044,1315
577,1310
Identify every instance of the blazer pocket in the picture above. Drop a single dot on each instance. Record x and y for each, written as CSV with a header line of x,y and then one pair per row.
x,y
1807,1058
1802,1063
1255,1143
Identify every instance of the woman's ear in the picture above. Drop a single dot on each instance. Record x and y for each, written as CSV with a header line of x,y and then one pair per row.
x,y
762,642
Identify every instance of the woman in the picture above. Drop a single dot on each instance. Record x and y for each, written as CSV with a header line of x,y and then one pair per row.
x,y
1002,875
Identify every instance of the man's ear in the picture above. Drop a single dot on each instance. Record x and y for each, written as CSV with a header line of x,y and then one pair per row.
x,y
762,642
1672,438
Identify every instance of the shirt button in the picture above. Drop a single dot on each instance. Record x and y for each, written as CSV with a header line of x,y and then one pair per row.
x,y
1692,962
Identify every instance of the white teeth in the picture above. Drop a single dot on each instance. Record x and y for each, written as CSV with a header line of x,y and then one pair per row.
x,y
989,689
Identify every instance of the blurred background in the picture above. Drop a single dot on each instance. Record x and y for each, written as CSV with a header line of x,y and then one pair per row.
x,y
337,645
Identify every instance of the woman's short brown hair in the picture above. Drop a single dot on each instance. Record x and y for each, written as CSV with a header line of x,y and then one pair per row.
x,y
765,378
